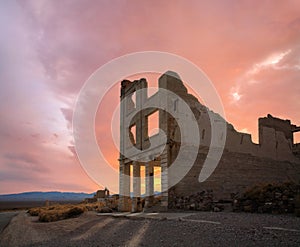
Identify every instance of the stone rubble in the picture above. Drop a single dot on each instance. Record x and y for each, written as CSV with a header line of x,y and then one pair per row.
x,y
270,198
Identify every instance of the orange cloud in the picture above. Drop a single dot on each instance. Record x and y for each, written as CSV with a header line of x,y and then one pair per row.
x,y
250,51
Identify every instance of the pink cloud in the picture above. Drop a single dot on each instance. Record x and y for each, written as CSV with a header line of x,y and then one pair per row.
x,y
51,47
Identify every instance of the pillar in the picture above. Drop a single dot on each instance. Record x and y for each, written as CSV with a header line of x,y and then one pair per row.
x,y
149,185
164,182
136,186
124,187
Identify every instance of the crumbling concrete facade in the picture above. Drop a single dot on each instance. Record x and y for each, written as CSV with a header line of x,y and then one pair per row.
x,y
243,164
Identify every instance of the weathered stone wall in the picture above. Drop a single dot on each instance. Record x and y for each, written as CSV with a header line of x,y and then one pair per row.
x,y
235,173
243,163
277,124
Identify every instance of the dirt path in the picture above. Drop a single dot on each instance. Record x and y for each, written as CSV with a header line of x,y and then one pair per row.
x,y
5,218
197,229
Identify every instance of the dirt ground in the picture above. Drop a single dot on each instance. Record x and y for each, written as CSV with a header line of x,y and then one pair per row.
x,y
164,229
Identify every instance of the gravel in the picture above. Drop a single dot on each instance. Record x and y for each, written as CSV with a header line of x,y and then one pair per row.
x,y
198,229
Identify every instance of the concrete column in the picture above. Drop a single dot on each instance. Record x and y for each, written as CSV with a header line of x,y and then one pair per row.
x,y
124,187
164,186
149,185
136,186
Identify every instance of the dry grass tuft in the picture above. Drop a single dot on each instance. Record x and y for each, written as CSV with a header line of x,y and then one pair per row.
x,y
66,211
57,212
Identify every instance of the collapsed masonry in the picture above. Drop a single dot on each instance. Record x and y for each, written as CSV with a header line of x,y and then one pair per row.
x,y
243,164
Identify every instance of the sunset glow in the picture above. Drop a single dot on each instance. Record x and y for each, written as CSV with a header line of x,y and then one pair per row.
x,y
249,49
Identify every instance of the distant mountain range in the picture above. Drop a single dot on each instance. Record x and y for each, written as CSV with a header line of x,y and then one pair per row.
x,y
51,196
43,196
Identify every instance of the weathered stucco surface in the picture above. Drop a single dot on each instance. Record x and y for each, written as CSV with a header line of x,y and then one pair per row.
x,y
243,163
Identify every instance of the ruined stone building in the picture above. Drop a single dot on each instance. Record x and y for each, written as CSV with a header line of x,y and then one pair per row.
x,y
276,158
102,193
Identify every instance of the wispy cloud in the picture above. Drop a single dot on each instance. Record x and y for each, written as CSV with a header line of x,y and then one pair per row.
x,y
270,61
48,49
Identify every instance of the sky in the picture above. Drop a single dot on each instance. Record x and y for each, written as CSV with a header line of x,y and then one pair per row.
x,y
250,50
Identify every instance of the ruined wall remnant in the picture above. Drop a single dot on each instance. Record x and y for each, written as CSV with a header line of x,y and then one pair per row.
x,y
276,158
277,124
102,193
